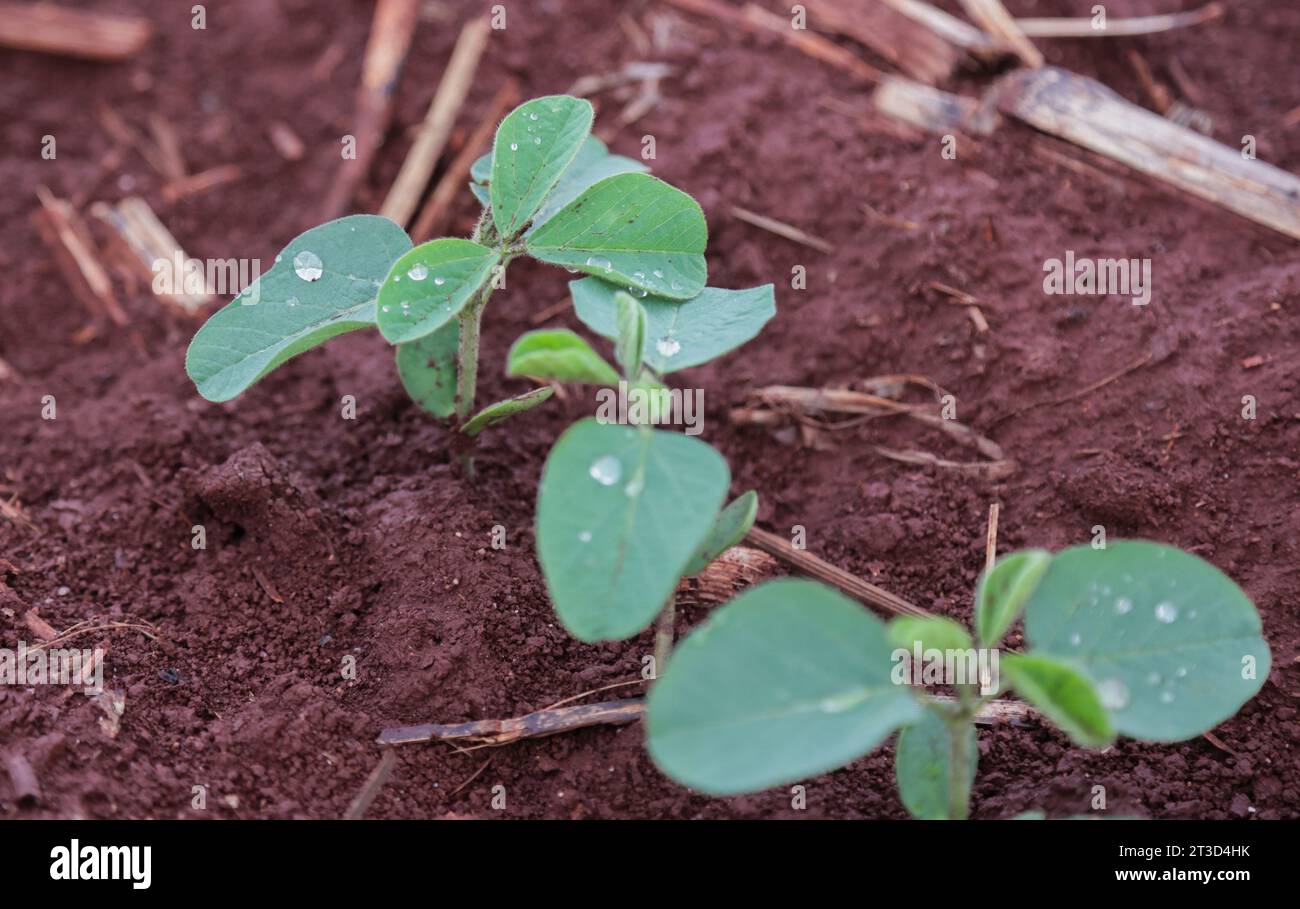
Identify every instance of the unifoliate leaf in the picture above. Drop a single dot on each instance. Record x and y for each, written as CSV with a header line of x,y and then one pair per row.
x,y
429,286
728,529
922,760
630,344
322,284
427,368
680,334
1173,645
620,510
1003,592
787,681
633,230
558,354
592,164
504,410
534,145
1063,694
933,632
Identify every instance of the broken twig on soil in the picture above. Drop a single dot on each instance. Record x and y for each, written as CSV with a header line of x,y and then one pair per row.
x,y
378,777
533,725
781,229
72,32
68,238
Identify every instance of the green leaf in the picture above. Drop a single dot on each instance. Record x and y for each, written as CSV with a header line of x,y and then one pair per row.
x,y
620,510
281,315
922,758
1003,592
481,193
634,230
429,286
558,354
788,680
935,632
592,164
630,345
1061,693
534,145
427,368
679,335
504,410
729,528
1174,646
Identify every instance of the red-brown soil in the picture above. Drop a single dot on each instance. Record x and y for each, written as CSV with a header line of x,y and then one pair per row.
x,y
244,695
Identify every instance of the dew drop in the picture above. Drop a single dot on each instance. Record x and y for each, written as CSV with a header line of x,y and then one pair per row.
x,y
600,262
514,146
585,536
308,266
1123,606
532,116
1166,612
418,272
1154,679
1076,639
537,140
1166,697
668,346
606,470
1182,671
440,281
633,489
1113,694
677,285
658,273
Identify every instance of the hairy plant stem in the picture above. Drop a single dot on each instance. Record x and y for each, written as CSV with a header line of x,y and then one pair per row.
x,y
959,723
664,633
471,318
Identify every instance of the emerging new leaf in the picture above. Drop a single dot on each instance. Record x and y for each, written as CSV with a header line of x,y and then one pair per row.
x,y
729,528
1003,592
680,334
619,513
1173,645
932,632
558,354
631,229
430,285
534,145
323,284
788,680
630,345
1063,694
504,410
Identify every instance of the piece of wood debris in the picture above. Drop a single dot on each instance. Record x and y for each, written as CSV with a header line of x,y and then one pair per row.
x,y
265,583
890,220
434,215
804,561
909,45
404,195
1083,27
21,775
68,238
141,241
201,182
12,510
631,72
391,31
127,136
72,32
759,21
1253,362
993,17
1089,114
170,157
378,777
285,141
961,298
1156,91
955,31
534,725
781,229
112,706
737,568
38,626
932,109
991,537
993,713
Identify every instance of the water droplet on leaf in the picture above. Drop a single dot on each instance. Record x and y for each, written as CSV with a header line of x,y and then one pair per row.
x,y
606,470
308,266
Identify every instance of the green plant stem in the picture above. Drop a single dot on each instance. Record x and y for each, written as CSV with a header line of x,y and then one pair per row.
x,y
664,634
959,722
471,318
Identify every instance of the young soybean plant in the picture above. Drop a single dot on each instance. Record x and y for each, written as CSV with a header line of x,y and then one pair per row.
x,y
791,679
623,510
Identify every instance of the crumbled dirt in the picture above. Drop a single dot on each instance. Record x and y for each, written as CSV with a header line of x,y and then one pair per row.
x,y
379,547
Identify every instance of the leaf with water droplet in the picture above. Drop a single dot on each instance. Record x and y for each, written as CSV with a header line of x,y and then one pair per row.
x,y
922,757
645,534
558,354
787,681
684,333
728,529
504,410
411,309
1062,693
1002,593
427,368
639,225
524,173
1143,624
245,340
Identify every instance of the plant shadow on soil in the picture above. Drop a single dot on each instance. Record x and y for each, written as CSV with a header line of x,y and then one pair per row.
x,y
378,546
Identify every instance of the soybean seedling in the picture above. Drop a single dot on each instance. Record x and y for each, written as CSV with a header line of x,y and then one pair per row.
x,y
791,679
624,510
